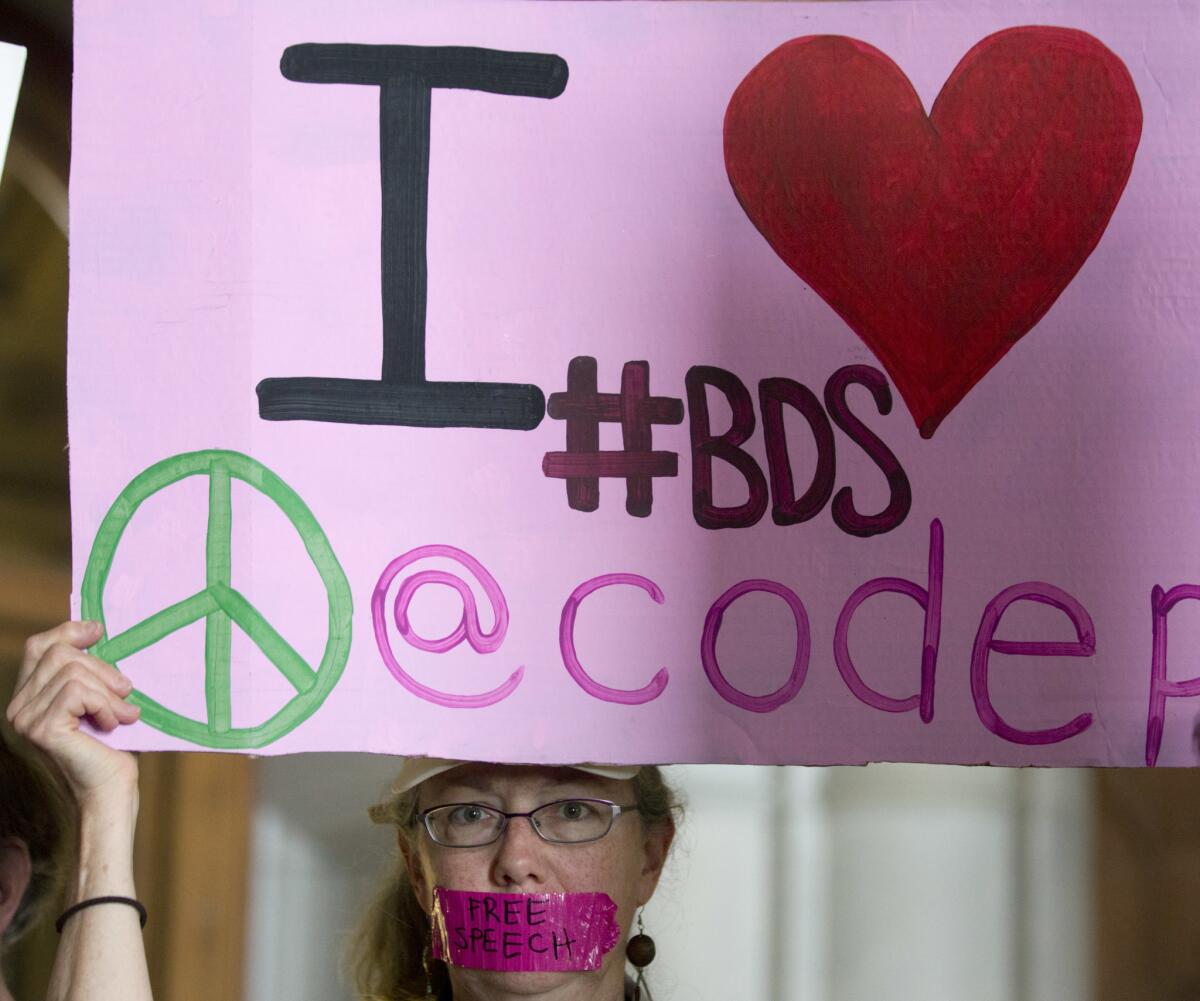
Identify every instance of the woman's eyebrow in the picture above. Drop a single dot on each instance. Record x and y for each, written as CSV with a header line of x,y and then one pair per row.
x,y
571,788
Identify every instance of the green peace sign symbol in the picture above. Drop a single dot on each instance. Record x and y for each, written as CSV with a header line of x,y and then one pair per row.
x,y
220,605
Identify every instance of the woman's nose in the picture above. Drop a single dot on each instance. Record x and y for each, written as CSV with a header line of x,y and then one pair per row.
x,y
520,856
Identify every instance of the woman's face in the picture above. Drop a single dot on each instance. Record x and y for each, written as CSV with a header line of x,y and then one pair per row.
x,y
625,863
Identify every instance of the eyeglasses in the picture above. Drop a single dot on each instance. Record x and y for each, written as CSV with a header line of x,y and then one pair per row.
x,y
563,822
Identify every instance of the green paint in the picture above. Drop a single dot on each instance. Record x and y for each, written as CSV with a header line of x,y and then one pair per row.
x,y
218,630
220,605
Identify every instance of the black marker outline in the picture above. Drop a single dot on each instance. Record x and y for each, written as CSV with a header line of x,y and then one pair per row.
x,y
405,76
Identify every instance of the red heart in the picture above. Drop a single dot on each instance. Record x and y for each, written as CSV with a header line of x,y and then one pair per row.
x,y
939,239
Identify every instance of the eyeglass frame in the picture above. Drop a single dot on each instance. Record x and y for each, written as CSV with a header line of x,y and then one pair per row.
x,y
617,811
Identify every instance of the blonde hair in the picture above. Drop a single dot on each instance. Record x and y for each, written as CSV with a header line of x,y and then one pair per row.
x,y
386,957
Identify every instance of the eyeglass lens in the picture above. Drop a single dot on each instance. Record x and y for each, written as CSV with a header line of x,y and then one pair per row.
x,y
469,825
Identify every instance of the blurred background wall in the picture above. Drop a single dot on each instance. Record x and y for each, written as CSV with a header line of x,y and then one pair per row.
x,y
891,882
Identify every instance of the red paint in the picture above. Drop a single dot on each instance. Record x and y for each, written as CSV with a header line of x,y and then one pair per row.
x,y
940,239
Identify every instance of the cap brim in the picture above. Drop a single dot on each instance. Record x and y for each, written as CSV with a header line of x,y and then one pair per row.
x,y
416,770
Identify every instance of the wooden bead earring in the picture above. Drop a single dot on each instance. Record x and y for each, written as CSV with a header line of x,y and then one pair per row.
x,y
639,950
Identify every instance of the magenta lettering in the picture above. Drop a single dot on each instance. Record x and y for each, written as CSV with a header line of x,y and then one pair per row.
x,y
986,644
566,638
468,628
930,601
708,648
927,594
1161,687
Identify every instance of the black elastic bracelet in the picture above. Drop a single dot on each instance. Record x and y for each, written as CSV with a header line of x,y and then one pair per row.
x,y
92,901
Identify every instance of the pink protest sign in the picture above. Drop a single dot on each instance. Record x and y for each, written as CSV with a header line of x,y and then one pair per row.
x,y
641,382
523,932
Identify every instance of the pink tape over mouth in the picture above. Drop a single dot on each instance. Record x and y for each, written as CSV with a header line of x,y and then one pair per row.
x,y
523,932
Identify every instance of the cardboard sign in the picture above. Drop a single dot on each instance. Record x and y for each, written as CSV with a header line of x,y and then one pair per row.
x,y
641,382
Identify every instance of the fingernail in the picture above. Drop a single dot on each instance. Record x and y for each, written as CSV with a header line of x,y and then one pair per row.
x,y
93,627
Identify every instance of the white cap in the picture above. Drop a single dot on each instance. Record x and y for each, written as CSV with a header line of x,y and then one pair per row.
x,y
416,770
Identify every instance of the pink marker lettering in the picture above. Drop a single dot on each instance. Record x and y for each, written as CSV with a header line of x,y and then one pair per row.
x,y
566,639
985,643
708,648
1161,687
523,932
931,601
468,628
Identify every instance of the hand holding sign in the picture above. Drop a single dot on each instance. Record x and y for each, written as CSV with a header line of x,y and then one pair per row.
x,y
58,686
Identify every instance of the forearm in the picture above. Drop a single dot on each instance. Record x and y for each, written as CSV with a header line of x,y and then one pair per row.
x,y
101,956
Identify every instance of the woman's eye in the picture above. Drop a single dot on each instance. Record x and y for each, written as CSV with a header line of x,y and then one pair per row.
x,y
575,810
463,815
